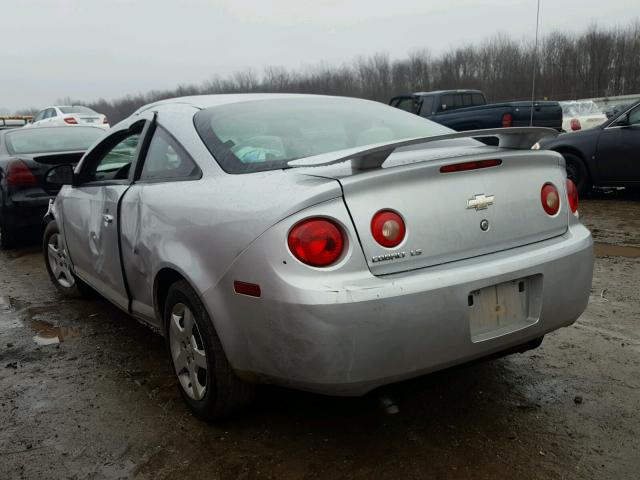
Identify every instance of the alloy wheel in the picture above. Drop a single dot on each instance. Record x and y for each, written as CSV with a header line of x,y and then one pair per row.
x,y
59,262
187,351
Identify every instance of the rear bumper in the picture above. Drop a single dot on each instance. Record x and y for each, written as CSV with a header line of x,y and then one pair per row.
x,y
349,335
27,208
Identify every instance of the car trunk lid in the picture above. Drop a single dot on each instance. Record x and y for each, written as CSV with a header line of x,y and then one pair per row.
x,y
444,213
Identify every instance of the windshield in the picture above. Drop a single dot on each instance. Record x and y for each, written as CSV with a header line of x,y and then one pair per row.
x,y
76,109
580,108
50,140
265,134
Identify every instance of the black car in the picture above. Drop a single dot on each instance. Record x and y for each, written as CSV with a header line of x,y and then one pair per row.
x,y
605,156
26,155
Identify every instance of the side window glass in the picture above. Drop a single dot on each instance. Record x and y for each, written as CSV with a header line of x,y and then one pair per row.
x,y
53,113
116,162
39,116
634,116
406,104
446,102
166,160
457,101
466,100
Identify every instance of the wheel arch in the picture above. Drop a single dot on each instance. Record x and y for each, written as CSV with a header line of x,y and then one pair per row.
x,y
562,149
164,278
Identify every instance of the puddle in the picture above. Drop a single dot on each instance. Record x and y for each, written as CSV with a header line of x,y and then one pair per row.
x,y
609,250
48,334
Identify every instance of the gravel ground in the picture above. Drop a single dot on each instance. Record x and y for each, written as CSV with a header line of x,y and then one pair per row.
x,y
86,392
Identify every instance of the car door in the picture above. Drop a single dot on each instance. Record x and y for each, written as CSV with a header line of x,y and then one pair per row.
x,y
91,212
54,118
161,171
618,149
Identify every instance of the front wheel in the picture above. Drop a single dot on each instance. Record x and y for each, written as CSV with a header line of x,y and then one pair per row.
x,y
207,382
56,259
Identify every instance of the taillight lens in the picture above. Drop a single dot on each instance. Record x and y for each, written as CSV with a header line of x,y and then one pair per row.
x,y
507,120
550,199
575,124
71,121
316,241
105,120
388,228
19,175
572,195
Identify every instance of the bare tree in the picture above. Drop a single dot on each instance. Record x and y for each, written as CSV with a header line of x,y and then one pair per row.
x,y
598,62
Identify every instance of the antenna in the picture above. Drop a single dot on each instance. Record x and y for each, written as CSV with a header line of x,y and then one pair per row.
x,y
535,65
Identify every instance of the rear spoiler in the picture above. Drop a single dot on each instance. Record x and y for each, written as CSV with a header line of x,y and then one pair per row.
x,y
373,156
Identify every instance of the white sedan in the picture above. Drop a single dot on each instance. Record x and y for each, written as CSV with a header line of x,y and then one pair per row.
x,y
60,116
581,115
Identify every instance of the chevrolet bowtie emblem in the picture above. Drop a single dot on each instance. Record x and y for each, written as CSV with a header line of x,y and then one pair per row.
x,y
480,202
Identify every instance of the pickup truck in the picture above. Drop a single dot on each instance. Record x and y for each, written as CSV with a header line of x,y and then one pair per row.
x,y
14,121
464,110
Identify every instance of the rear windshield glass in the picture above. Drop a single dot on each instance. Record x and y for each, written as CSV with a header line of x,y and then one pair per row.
x,y
77,109
49,140
261,135
579,108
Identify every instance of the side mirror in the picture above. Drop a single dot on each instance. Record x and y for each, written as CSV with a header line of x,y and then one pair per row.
x,y
58,176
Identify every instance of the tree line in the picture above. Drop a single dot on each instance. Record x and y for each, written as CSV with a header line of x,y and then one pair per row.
x,y
596,62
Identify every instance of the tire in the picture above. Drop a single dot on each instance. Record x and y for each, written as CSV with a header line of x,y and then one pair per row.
x,y
211,393
577,171
59,266
8,236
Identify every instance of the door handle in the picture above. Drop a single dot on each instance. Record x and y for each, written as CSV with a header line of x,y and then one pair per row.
x,y
108,219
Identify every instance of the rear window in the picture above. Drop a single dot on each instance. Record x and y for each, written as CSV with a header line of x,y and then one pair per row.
x,y
478,99
77,109
49,140
263,135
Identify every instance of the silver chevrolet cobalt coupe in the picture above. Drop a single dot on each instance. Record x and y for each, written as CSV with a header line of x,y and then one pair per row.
x,y
323,243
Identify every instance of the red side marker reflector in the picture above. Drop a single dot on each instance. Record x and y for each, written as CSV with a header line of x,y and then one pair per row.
x,y
245,288
462,167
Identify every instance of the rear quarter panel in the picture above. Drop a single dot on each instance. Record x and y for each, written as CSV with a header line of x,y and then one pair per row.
x,y
198,228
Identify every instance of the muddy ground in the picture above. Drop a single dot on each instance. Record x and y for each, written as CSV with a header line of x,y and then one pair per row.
x,y
85,392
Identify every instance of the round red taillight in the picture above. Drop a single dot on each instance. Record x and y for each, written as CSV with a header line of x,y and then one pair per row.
x,y
572,195
575,124
387,227
550,199
316,241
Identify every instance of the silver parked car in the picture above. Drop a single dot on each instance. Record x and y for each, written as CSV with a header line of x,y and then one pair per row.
x,y
324,243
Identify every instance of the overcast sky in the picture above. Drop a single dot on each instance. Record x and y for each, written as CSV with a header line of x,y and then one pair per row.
x,y
86,49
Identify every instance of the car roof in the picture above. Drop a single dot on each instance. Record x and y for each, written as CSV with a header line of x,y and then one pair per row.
x,y
64,106
206,101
